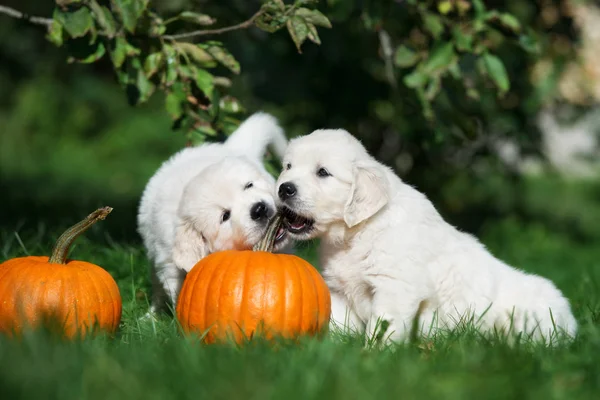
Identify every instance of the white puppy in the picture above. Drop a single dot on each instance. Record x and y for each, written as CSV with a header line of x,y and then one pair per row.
x,y
208,198
387,254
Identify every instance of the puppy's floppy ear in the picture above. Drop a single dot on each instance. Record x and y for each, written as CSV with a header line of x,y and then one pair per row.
x,y
369,192
189,246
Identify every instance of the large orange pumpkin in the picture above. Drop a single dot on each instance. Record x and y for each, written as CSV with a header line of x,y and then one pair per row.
x,y
239,294
74,297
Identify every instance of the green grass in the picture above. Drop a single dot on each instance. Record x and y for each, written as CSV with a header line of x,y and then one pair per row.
x,y
151,360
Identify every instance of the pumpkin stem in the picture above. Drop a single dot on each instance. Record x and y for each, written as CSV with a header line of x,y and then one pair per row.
x,y
268,240
64,242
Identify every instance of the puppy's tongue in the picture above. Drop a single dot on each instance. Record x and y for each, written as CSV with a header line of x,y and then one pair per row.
x,y
298,224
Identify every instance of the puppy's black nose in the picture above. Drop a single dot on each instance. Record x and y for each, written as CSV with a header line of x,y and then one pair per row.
x,y
286,190
258,211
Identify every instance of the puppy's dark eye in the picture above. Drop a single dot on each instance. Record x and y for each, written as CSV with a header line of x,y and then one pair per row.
x,y
322,173
288,166
248,185
226,215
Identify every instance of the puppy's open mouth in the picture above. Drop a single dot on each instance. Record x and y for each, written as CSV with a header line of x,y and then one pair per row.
x,y
295,223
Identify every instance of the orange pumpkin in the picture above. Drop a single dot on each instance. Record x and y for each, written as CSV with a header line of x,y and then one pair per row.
x,y
238,294
74,297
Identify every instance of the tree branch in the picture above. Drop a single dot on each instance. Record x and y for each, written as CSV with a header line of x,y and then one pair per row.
x,y
11,12
242,25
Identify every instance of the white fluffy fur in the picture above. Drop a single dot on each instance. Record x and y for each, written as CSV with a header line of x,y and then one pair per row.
x,y
386,253
182,206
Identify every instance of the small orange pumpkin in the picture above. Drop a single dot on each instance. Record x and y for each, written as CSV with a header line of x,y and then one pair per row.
x,y
238,294
72,296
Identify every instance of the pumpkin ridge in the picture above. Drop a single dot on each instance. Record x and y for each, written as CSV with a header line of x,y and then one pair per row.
x,y
4,282
3,291
109,292
17,290
311,277
101,275
262,322
117,310
226,269
99,307
55,284
220,307
243,307
206,294
69,301
282,290
301,313
308,285
190,295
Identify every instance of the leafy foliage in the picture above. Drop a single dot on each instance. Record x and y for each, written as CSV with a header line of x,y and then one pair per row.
x,y
451,39
147,58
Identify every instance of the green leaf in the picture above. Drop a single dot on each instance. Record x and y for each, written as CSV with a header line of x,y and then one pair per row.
x,y
130,11
444,7
415,79
203,130
153,63
157,29
222,55
196,18
497,72
298,31
479,9
463,40
405,57
529,44
433,24
205,82
313,35
314,17
104,17
76,23
170,75
425,104
175,100
433,88
98,54
144,85
507,20
230,105
440,58
55,33
197,53
271,20
473,93
454,70
119,52
122,77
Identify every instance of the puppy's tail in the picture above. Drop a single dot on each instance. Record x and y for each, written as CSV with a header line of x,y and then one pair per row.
x,y
257,132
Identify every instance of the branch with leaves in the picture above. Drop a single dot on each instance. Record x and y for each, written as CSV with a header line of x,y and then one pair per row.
x,y
451,33
147,58
449,40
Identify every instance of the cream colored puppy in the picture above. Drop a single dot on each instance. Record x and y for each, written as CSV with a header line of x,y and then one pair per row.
x,y
387,254
208,198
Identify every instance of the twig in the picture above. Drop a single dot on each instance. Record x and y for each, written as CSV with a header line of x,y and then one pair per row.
x,y
11,12
242,25
388,54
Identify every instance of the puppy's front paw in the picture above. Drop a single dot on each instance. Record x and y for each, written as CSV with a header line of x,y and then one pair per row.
x,y
150,315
